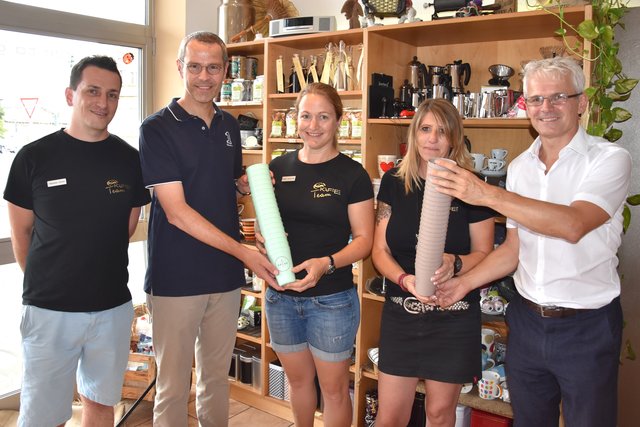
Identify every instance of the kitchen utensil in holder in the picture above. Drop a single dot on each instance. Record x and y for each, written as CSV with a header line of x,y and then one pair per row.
x,y
434,220
271,227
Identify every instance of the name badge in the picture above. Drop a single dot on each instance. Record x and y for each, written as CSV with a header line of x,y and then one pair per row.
x,y
57,182
288,178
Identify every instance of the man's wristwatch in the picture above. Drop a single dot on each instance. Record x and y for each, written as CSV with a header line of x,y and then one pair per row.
x,y
457,264
332,266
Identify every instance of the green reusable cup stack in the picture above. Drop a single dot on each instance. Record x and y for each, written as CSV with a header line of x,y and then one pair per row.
x,y
271,227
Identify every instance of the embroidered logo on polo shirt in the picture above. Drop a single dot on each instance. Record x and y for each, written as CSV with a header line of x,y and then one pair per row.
x,y
320,190
114,187
228,135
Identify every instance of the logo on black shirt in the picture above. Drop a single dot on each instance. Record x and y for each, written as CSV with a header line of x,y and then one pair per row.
x,y
321,190
114,186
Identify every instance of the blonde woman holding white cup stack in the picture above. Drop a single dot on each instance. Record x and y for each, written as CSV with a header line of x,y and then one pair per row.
x,y
419,341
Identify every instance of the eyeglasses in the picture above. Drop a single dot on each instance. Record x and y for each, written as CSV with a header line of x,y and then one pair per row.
x,y
555,99
213,69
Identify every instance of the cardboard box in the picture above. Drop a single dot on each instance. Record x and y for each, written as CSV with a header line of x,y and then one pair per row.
x,y
507,6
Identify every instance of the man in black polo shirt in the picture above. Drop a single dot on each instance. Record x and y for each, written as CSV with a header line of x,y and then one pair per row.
x,y
192,158
74,200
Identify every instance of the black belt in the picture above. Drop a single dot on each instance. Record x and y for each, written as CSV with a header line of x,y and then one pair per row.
x,y
552,310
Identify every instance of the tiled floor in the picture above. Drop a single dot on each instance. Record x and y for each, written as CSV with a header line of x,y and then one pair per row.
x,y
240,415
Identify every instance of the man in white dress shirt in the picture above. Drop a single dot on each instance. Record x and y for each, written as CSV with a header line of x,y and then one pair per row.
x,y
563,203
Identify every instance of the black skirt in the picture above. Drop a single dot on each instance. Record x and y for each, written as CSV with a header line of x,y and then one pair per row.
x,y
443,346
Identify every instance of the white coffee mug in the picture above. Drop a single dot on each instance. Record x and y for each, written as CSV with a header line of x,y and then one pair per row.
x,y
499,153
478,161
386,162
489,341
495,164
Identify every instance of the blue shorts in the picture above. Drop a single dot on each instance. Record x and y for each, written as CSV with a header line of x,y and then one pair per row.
x,y
326,324
61,349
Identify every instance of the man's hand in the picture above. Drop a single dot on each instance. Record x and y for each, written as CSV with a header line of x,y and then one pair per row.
x,y
261,266
450,292
461,184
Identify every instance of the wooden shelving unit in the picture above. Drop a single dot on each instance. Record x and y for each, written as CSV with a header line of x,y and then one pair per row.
x,y
481,41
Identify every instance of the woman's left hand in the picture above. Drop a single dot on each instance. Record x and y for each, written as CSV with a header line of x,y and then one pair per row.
x,y
446,270
315,267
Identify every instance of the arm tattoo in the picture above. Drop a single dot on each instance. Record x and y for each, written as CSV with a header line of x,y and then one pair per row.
x,y
383,212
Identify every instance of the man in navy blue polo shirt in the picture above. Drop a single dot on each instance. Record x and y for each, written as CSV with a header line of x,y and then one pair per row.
x,y
191,157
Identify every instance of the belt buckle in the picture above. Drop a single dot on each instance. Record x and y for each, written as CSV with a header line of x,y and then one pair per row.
x,y
551,310
413,306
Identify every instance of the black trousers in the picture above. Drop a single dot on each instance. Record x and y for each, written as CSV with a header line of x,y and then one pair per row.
x,y
573,360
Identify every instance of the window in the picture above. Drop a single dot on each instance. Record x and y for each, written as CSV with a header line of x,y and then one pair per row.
x,y
132,11
38,47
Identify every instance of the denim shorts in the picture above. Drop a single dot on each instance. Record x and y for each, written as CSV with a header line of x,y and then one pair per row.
x,y
326,324
64,348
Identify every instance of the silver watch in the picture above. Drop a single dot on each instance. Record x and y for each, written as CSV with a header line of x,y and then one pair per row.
x,y
332,265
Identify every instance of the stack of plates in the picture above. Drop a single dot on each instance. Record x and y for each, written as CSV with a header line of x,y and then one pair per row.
x,y
248,228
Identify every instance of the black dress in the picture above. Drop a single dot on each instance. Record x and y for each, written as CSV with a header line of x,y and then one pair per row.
x,y
441,345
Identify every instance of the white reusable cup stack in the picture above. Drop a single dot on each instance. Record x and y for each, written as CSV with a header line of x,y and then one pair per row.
x,y
271,227
434,220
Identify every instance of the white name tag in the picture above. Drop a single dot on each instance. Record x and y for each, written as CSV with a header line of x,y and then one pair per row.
x,y
288,178
57,182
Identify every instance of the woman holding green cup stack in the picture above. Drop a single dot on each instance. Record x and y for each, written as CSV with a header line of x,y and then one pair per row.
x,y
325,201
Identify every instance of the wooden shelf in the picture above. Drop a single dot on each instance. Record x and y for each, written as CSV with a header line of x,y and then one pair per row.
x,y
252,152
477,29
254,47
495,406
243,104
299,141
495,123
481,41
293,96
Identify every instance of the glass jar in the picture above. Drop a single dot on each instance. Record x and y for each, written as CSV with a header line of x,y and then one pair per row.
x,y
237,89
258,83
292,123
225,92
278,123
235,16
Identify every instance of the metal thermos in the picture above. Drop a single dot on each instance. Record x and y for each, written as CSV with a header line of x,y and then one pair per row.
x,y
235,16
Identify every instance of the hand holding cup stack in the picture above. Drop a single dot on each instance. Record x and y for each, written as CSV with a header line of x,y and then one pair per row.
x,y
271,227
434,220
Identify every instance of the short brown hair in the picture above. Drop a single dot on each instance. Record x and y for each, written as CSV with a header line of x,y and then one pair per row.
x,y
203,37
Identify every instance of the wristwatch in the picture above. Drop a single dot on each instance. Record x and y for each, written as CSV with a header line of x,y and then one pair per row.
x,y
332,266
457,264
